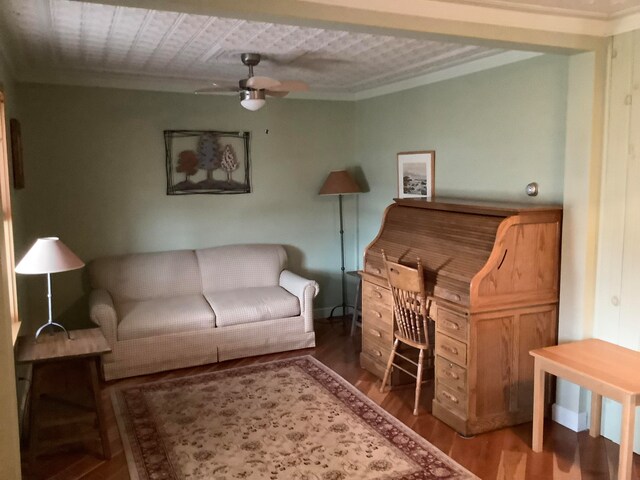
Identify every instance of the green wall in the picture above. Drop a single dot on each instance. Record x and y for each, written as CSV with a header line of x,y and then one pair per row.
x,y
493,132
95,173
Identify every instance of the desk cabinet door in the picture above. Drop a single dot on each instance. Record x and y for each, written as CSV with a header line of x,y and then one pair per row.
x,y
502,366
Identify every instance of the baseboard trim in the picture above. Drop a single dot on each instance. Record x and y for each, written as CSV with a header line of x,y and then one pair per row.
x,y
576,421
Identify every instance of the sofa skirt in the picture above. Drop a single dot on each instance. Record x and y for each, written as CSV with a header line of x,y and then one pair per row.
x,y
143,356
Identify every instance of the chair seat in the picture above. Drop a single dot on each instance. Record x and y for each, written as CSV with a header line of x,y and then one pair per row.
x,y
411,343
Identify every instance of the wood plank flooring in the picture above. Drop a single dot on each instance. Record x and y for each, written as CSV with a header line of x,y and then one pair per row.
x,y
502,455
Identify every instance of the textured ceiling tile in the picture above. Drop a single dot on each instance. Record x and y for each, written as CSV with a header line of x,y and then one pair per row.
x,y
50,35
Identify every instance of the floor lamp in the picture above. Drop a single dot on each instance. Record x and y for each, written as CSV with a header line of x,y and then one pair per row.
x,y
340,183
49,255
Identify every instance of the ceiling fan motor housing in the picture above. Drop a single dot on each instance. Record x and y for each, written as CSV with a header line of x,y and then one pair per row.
x,y
252,95
250,59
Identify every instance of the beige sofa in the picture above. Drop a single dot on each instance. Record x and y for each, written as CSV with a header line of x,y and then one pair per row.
x,y
167,310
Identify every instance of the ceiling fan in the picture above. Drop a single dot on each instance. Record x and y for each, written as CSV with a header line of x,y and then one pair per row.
x,y
253,89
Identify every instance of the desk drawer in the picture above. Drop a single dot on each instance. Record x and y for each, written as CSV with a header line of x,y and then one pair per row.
x,y
375,266
452,324
376,293
451,349
451,374
377,319
376,349
451,399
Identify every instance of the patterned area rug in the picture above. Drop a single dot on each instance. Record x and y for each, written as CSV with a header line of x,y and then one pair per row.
x,y
291,419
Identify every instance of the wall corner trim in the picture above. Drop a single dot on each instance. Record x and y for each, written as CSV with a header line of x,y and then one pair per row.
x,y
576,421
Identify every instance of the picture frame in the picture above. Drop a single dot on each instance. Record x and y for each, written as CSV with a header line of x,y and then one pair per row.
x,y
16,154
207,162
416,174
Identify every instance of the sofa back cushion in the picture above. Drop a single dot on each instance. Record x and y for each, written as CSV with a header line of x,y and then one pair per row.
x,y
143,276
240,266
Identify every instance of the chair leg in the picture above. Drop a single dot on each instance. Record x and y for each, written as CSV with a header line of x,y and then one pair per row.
x,y
418,381
389,365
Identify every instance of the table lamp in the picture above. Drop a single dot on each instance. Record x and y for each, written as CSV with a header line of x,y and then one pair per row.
x,y
340,183
49,255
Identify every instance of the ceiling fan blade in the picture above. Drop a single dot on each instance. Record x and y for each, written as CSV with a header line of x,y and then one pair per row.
x,y
273,93
262,83
290,86
212,90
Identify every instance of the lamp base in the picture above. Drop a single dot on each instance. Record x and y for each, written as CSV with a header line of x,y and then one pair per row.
x,y
51,324
345,307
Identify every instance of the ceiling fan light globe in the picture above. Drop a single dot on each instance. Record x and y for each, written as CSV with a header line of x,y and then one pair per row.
x,y
253,104
252,99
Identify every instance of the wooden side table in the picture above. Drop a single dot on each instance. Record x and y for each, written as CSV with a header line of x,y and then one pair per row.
x,y
50,351
605,369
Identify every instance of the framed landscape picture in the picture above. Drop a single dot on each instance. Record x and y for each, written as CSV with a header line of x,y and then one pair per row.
x,y
207,161
416,174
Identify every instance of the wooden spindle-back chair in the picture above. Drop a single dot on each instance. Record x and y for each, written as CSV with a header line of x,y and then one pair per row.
x,y
411,318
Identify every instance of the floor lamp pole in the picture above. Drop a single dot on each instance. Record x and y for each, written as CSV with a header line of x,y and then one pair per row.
x,y
340,182
343,305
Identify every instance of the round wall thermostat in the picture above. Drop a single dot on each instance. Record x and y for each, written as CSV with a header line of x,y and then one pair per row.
x,y
532,189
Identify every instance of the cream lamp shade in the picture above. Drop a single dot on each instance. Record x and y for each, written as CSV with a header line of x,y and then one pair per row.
x,y
48,255
340,182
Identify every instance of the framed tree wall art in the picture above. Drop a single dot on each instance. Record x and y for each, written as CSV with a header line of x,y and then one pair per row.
x,y
207,161
416,174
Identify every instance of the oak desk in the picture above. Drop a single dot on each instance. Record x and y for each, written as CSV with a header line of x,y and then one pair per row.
x,y
85,346
605,369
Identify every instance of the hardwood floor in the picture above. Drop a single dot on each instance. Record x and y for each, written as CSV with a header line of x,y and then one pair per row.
x,y
503,454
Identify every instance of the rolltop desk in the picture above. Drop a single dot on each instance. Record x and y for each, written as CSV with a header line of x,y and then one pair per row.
x,y
492,272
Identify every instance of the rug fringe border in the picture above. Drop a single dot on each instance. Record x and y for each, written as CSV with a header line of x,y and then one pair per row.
x,y
122,430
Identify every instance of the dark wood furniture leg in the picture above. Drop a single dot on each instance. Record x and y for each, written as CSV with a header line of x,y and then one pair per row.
x,y
95,387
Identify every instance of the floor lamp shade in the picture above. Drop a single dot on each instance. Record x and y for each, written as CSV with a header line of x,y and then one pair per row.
x,y
340,182
49,255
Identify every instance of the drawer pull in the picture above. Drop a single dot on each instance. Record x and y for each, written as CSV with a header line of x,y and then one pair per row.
x,y
376,313
375,333
451,374
378,294
377,353
452,350
451,325
449,397
376,270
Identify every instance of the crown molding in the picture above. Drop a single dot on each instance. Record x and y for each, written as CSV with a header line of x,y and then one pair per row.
x,y
461,70
625,24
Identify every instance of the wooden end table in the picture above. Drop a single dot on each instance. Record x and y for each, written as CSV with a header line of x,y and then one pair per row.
x,y
605,369
56,350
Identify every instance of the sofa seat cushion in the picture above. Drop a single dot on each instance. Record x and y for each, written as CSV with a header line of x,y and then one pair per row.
x,y
248,305
163,316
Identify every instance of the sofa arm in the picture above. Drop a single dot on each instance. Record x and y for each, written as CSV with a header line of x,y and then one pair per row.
x,y
305,290
103,313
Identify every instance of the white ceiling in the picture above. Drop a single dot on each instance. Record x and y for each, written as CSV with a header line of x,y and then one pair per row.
x,y
63,41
